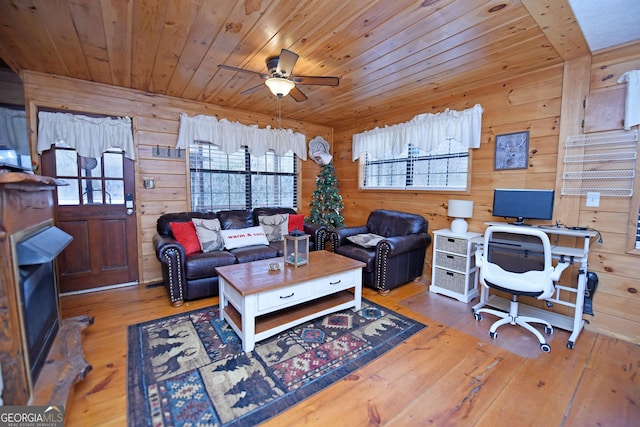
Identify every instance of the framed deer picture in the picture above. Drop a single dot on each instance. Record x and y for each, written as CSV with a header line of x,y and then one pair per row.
x,y
512,151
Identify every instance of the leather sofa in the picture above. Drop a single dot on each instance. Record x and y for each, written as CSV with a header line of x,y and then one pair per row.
x,y
193,276
393,258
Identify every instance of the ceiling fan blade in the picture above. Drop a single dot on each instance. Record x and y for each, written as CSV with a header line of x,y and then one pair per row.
x,y
317,80
286,61
298,95
242,70
252,89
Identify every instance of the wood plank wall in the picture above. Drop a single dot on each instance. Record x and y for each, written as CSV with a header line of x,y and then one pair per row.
x,y
10,88
617,301
156,122
532,102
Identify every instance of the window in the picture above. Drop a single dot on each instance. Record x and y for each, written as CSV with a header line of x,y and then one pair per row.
x,y
445,168
221,181
429,152
89,181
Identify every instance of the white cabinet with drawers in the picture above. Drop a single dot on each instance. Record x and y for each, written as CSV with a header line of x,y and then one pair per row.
x,y
454,265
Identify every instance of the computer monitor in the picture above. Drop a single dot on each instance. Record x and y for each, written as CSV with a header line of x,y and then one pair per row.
x,y
522,204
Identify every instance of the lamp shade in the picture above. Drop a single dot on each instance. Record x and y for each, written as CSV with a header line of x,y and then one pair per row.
x,y
461,208
279,86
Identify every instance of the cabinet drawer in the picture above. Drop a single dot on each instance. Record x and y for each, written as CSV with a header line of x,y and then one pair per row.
x,y
284,297
453,281
336,282
452,244
454,262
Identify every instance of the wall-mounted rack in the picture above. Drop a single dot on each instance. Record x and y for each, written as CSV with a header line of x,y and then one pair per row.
x,y
603,162
167,152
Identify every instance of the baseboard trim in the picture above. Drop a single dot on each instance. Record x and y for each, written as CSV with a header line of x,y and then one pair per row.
x,y
103,288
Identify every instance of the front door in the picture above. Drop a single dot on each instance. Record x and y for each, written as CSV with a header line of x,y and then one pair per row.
x,y
95,207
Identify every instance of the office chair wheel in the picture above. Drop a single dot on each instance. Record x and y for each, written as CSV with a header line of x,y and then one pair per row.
x,y
545,347
478,316
570,345
493,334
548,330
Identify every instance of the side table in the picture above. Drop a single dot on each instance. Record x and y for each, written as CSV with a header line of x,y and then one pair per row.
x,y
454,265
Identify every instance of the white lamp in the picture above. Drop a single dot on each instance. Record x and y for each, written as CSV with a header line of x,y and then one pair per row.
x,y
280,86
460,209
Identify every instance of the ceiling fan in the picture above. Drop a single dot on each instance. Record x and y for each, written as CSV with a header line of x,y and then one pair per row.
x,y
280,78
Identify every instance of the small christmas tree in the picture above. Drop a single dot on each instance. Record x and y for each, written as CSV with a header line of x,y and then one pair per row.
x,y
326,202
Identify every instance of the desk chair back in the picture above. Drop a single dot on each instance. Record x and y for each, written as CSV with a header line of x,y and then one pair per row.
x,y
537,282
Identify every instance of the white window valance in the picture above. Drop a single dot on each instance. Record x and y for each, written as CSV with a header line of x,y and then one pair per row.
x,y
13,130
231,136
425,131
89,136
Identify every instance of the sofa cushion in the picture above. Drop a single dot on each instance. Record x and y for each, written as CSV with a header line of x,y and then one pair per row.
x,y
254,253
274,226
244,237
270,210
208,231
366,255
200,264
366,240
185,234
163,223
235,219
296,222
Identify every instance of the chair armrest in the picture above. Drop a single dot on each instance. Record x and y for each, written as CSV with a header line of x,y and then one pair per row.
x,y
401,244
161,244
338,235
171,255
318,235
557,271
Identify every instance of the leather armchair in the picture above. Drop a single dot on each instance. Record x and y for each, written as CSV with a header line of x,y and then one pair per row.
x,y
396,259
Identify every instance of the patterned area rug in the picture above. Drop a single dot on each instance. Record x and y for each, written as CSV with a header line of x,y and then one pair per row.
x,y
190,370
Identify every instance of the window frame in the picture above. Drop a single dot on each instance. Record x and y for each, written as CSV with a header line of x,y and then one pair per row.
x,y
440,190
248,174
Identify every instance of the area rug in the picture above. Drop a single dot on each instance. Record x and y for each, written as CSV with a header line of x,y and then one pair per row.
x,y
189,369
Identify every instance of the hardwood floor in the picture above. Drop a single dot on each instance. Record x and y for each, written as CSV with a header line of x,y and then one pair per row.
x,y
451,373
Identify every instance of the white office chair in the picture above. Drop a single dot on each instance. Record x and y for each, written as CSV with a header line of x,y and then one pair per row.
x,y
536,282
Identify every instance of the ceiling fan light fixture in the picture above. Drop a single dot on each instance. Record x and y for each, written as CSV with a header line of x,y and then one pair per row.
x,y
279,86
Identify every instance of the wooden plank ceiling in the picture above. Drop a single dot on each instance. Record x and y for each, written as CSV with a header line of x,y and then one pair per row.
x,y
388,54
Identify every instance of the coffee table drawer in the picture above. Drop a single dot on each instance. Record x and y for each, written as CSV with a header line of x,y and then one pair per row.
x,y
336,282
283,297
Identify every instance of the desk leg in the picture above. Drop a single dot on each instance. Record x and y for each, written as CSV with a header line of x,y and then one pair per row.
x,y
578,321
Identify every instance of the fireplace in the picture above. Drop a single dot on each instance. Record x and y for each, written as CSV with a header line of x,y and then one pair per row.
x,y
35,254
40,354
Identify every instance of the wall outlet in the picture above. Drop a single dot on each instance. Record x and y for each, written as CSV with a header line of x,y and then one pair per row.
x,y
593,200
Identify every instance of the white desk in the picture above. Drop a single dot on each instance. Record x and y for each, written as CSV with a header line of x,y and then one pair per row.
x,y
573,254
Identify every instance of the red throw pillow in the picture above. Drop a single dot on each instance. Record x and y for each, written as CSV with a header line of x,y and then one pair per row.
x,y
185,234
296,222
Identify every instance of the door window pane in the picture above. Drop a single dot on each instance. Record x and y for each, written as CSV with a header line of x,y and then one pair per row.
x,y
68,194
113,167
91,192
114,191
66,163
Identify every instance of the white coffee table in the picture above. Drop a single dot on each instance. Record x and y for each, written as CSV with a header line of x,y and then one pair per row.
x,y
259,303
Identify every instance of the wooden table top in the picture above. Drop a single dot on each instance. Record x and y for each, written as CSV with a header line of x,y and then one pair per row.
x,y
253,277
